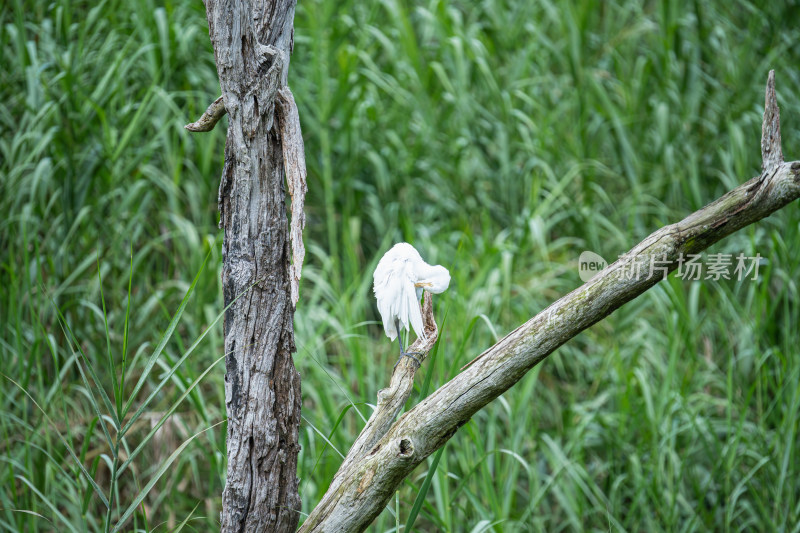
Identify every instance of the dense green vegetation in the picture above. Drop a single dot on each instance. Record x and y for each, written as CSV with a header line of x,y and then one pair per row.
x,y
502,138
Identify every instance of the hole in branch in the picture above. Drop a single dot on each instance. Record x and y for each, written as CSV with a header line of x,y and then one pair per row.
x,y
406,448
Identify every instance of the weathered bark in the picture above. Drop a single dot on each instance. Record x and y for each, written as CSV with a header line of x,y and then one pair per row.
x,y
294,161
252,42
369,476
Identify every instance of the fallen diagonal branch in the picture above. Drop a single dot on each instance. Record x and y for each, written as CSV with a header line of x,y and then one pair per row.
x,y
367,480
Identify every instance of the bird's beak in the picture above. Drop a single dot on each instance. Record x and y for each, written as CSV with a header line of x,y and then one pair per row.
x,y
423,284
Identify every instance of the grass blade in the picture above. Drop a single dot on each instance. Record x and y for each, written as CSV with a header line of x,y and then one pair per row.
x,y
423,491
166,415
164,338
160,472
111,366
172,371
86,474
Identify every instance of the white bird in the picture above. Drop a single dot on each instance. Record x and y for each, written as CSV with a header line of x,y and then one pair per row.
x,y
399,279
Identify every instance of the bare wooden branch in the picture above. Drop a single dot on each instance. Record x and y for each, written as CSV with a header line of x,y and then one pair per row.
x,y
362,488
771,154
294,163
210,118
392,399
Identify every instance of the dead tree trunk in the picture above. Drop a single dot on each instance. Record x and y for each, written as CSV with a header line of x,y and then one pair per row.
x,y
252,42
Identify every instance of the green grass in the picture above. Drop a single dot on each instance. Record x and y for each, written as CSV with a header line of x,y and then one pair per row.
x,y
502,138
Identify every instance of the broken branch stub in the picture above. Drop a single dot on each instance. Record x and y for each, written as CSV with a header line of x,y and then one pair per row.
x,y
209,118
771,153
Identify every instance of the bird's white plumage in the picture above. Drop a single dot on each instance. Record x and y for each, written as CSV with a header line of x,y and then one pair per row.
x,y
399,279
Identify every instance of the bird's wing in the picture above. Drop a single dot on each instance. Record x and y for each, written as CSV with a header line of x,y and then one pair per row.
x,y
386,294
389,278
410,302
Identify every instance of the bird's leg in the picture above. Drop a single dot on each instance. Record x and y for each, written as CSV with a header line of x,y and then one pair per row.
x,y
403,352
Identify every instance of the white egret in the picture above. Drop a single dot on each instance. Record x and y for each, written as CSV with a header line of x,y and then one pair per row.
x,y
399,279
